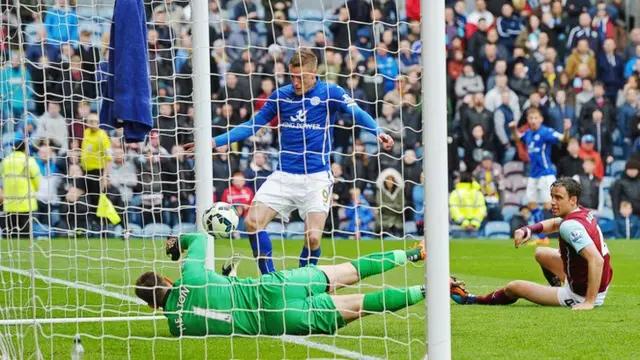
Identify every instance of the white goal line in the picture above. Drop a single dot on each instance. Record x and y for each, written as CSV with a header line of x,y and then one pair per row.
x,y
98,290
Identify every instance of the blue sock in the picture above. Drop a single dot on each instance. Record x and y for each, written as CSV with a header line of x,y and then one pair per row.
x,y
309,257
538,215
261,246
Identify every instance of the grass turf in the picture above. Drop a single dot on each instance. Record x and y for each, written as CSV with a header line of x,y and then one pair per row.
x,y
519,331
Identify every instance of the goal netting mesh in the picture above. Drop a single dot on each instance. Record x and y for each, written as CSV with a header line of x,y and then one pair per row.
x,y
85,213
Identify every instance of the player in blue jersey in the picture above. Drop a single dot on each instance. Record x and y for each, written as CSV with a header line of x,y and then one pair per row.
x,y
539,140
306,109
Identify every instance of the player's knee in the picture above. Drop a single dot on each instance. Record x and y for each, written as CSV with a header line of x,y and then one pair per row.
x,y
541,255
250,224
313,239
516,287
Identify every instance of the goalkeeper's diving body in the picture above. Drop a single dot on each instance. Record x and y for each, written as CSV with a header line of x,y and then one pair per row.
x,y
306,109
295,302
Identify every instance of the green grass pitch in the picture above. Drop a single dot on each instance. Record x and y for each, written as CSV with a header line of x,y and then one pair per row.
x,y
519,331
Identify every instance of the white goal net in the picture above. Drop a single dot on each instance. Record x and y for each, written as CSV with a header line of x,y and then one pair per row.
x,y
85,212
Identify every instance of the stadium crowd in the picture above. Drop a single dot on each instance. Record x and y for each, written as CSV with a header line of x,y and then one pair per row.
x,y
573,59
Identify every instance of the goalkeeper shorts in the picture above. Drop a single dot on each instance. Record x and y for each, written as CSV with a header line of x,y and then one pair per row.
x,y
296,302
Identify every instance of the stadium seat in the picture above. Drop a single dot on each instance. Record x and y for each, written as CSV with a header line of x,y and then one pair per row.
x,y
513,167
135,230
511,199
275,228
509,211
515,182
295,230
410,227
617,168
606,213
156,230
497,230
184,228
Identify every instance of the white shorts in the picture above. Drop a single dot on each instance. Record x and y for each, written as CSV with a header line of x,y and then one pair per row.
x,y
307,193
539,189
566,297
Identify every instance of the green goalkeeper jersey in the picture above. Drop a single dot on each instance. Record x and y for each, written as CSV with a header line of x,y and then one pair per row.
x,y
204,302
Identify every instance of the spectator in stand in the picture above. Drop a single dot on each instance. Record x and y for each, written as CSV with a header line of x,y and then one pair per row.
x,y
520,83
494,98
359,213
387,66
477,17
560,111
124,175
509,26
150,186
248,10
582,54
532,37
359,167
239,195
472,114
599,102
627,188
587,150
628,224
329,71
73,204
390,201
520,219
590,184
467,204
630,65
242,38
257,171
584,96
222,168
96,161
42,47
47,191
52,129
153,143
339,199
626,115
391,122
583,31
409,60
630,51
359,13
604,139
499,69
468,83
412,120
14,79
502,116
476,42
61,22
289,42
340,29
603,24
610,70
46,79
239,97
493,38
475,152
89,59
179,187
20,178
411,174
486,64
571,164
166,123
452,27
489,175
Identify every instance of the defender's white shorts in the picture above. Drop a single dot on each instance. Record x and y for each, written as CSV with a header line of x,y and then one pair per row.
x,y
285,192
566,297
539,189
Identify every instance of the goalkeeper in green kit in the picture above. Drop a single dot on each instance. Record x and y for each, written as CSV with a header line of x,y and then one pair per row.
x,y
295,302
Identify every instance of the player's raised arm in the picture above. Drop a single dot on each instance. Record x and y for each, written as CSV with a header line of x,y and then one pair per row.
x,y
247,128
194,244
347,105
515,134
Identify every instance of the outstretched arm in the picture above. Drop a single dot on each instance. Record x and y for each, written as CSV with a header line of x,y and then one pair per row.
x,y
524,234
194,244
347,105
250,127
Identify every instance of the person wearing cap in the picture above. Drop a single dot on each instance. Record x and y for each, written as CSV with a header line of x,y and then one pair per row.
x,y
19,189
587,150
489,175
627,188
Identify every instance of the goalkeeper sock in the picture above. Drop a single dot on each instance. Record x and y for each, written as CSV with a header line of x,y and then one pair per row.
x,y
377,263
393,299
262,250
309,256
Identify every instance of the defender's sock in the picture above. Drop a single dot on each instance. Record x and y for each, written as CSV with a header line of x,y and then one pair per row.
x,y
393,299
538,215
497,297
377,263
552,279
315,255
309,256
262,250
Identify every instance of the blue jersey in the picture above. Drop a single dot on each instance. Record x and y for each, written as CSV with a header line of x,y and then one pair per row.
x,y
539,146
306,131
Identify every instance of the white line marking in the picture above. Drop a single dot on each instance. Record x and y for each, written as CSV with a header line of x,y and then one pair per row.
x,y
98,290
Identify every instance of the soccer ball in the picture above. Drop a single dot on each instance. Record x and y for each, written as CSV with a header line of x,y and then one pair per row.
x,y
220,220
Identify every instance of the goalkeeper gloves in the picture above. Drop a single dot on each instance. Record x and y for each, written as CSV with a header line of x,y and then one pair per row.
x,y
173,247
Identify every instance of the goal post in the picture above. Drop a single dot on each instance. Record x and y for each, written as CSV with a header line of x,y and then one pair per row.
x,y
76,273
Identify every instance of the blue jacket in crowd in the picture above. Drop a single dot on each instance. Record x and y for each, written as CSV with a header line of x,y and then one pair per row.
x,y
625,114
628,228
508,29
364,215
61,25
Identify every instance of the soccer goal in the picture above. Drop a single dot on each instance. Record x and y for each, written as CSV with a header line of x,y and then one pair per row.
x,y
85,212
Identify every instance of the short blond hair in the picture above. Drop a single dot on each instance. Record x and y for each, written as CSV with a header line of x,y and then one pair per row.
x,y
303,57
